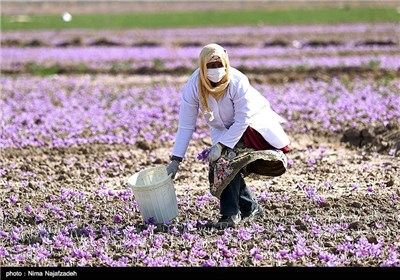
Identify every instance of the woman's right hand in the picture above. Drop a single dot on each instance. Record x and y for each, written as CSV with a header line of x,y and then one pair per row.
x,y
172,168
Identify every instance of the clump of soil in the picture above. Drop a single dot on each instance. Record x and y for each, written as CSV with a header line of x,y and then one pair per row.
x,y
379,139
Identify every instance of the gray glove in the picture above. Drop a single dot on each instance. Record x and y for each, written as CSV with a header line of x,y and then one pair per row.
x,y
172,168
215,152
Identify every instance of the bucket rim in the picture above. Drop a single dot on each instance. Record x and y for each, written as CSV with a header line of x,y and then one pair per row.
x,y
148,187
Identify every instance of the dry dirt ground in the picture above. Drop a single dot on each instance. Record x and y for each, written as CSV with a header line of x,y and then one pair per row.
x,y
359,188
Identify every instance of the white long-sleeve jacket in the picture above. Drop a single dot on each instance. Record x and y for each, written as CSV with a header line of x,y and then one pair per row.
x,y
241,106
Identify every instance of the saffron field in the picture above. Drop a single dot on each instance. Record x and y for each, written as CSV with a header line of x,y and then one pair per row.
x,y
81,111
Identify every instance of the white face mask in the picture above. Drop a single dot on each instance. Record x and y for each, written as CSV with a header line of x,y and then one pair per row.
x,y
216,74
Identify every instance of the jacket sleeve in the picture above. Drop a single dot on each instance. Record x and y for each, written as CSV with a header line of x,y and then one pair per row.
x,y
188,113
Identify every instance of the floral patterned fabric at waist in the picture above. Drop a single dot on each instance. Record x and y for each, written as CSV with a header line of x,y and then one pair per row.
x,y
246,161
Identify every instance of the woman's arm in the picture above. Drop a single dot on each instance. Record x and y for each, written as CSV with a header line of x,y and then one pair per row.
x,y
188,113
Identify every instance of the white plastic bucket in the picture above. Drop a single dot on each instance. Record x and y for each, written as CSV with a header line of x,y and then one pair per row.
x,y
155,194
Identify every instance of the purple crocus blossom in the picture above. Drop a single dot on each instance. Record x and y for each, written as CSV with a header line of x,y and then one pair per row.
x,y
13,200
203,155
118,218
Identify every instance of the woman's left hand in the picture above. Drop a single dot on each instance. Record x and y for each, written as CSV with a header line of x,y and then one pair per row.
x,y
215,152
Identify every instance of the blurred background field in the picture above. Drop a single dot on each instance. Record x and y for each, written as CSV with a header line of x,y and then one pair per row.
x,y
163,14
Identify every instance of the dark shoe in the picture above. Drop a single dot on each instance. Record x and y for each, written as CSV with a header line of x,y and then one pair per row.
x,y
258,212
228,221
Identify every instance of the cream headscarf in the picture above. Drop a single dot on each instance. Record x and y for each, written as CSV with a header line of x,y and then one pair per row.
x,y
205,87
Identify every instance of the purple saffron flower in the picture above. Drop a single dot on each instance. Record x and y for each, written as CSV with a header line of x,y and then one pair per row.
x,y
203,155
28,208
354,187
15,237
150,221
256,253
13,200
311,161
243,234
209,263
264,196
3,252
122,262
3,234
187,236
279,228
117,218
282,253
199,253
47,241
191,226
67,259
42,254
258,228
19,258
226,262
111,192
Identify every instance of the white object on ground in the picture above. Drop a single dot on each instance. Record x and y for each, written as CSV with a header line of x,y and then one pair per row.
x,y
67,17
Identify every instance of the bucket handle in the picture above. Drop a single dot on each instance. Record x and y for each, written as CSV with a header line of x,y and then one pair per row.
x,y
170,176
